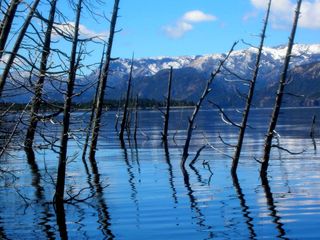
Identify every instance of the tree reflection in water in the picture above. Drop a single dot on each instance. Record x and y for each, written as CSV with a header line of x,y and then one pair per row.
x,y
272,207
170,170
102,208
244,207
194,204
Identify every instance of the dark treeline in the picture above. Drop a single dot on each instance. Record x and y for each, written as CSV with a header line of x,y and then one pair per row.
x,y
110,104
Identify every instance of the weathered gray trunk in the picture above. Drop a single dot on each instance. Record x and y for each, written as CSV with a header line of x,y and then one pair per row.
x,y
192,119
246,111
67,109
103,83
167,113
278,102
6,24
16,46
126,104
312,132
135,119
94,102
36,102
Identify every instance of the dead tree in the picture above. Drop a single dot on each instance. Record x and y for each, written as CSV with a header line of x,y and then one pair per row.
x,y
312,132
37,99
135,119
12,134
166,114
126,104
94,102
279,96
6,24
16,47
243,126
67,109
103,82
197,107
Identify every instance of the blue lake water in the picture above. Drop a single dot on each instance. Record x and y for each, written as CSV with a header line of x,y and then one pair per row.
x,y
140,192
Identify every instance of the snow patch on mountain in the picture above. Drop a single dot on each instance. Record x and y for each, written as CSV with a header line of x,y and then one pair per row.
x,y
239,60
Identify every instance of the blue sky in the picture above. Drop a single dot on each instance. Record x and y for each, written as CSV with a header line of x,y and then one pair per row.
x,y
193,27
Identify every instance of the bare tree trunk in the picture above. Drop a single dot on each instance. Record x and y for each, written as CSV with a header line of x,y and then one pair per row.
x,y
250,95
6,24
206,91
16,46
167,113
126,104
103,82
36,102
135,119
312,132
85,146
67,109
278,102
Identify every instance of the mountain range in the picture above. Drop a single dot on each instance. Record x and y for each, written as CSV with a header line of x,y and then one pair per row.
x,y
150,76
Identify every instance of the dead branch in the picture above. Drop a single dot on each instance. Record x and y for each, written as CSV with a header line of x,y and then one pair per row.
x,y
197,107
224,116
193,161
286,150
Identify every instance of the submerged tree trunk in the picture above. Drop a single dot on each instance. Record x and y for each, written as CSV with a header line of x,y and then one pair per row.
x,y
206,91
126,104
103,83
85,146
6,24
135,119
16,46
243,126
67,109
37,99
166,115
312,132
280,92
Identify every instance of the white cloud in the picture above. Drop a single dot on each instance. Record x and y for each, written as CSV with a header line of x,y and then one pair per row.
x,y
310,14
68,29
178,30
197,16
282,12
185,23
250,15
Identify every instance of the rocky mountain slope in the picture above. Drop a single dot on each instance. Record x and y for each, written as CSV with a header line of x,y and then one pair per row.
x,y
191,73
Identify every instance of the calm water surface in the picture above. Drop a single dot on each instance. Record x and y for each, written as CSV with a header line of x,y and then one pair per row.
x,y
139,190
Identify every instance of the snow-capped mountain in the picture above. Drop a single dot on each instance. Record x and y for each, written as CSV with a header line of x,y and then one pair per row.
x,y
240,59
191,72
